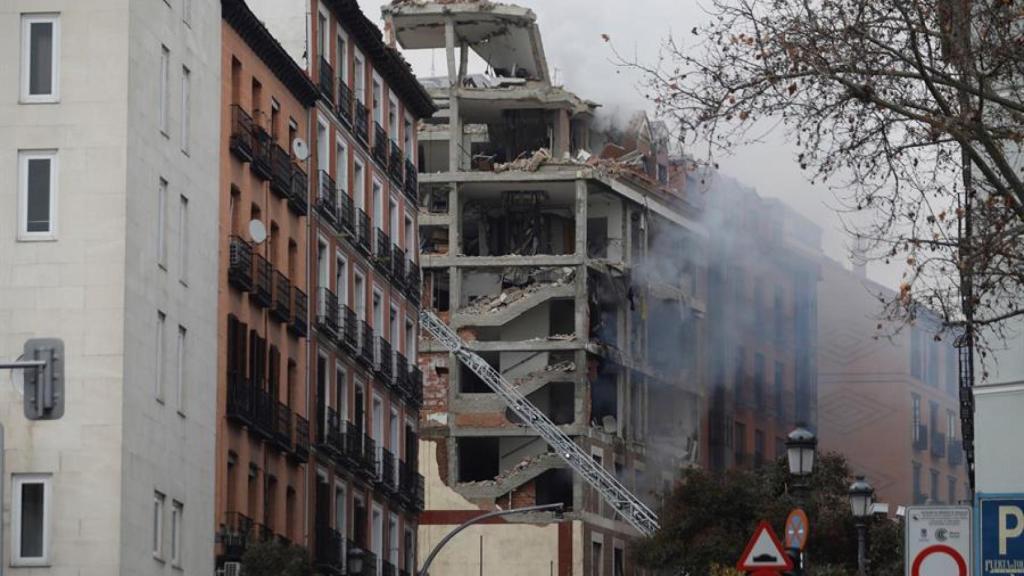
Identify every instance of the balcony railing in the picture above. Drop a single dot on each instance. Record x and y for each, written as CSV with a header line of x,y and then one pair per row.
x,y
382,251
401,373
921,437
326,197
241,401
300,307
416,387
345,100
298,198
283,426
353,444
383,359
240,263
263,423
369,461
380,144
326,426
263,274
938,444
351,336
327,312
242,142
412,281
345,213
388,569
410,186
263,143
234,533
398,266
956,452
281,169
395,165
327,553
282,309
326,83
411,486
366,342
300,431
362,225
386,469
362,123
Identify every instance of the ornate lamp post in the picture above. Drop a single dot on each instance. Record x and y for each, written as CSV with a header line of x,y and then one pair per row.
x,y
800,454
861,498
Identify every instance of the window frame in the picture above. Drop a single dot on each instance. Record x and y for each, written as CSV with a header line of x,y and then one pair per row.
x,y
177,518
181,369
158,379
24,156
159,503
183,237
27,19
164,113
161,231
186,112
18,482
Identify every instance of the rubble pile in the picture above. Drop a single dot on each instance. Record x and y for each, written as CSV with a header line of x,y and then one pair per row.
x,y
515,293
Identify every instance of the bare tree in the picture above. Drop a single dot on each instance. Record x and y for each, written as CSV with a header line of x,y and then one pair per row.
x,y
894,102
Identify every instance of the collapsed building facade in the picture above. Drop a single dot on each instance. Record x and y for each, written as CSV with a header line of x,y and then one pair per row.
x,y
568,262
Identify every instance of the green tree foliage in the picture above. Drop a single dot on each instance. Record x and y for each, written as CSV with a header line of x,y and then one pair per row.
x,y
708,518
274,558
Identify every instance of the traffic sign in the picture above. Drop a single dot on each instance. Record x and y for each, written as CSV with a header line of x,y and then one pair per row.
x,y
797,529
764,553
938,540
1000,534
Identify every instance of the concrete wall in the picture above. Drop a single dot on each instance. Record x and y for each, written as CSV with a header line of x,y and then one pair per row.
x,y
998,428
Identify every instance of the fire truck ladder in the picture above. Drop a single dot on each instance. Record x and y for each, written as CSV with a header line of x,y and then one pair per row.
x,y
618,496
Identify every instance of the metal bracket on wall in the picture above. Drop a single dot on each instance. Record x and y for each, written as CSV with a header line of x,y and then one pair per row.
x,y
43,366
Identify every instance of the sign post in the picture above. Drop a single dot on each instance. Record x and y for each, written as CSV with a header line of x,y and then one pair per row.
x,y
1000,534
797,531
938,541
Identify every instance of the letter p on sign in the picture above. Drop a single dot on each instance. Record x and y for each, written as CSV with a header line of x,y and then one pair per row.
x,y
1005,531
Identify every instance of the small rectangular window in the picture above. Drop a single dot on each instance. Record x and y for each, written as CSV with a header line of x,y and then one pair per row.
x,y
30,520
180,377
40,58
161,224
165,86
186,12
183,234
177,517
158,525
37,195
186,116
158,380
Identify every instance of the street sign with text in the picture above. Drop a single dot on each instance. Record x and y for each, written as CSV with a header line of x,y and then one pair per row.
x,y
938,540
1000,534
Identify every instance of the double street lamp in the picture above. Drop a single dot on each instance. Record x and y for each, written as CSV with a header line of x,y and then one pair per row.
x,y
861,499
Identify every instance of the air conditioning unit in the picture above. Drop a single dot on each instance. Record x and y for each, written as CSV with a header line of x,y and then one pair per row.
x,y
232,569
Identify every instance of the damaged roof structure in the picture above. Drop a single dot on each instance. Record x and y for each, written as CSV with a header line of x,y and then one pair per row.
x,y
571,261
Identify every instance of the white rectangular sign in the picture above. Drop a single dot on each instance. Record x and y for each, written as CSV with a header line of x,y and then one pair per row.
x,y
938,541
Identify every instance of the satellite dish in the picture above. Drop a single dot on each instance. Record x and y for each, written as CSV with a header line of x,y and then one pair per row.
x,y
257,231
300,149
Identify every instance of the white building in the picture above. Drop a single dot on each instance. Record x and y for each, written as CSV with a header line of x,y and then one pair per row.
x,y
108,221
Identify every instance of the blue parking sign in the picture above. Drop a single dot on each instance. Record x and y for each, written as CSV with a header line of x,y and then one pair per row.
x,y
1000,534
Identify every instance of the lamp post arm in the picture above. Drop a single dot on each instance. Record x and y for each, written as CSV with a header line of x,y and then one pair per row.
x,y
477,519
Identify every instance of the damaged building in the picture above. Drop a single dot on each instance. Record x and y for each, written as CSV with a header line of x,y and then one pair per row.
x,y
570,262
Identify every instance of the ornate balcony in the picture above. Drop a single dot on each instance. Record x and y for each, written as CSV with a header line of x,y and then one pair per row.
x,y
386,471
351,336
326,197
353,442
327,312
380,144
401,373
382,252
362,123
300,308
234,533
410,187
388,569
242,142
261,165
362,225
366,342
240,263
300,431
263,423
395,165
383,360
397,271
369,460
263,274
298,199
938,444
241,403
327,551
326,80
345,100
282,308
412,281
282,426
346,214
281,171
326,427
416,387
411,487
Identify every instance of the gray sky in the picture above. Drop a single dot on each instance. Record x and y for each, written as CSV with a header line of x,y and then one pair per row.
x,y
579,59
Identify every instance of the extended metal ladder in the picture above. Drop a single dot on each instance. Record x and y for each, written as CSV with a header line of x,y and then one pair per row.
x,y
618,496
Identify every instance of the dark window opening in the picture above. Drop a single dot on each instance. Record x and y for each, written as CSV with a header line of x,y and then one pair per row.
x,y
604,396
469,382
555,486
478,459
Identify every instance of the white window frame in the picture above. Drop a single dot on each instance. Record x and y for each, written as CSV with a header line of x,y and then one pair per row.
x,y
165,87
341,60
341,387
377,103
341,272
177,517
341,511
183,235
181,368
159,502
394,217
360,80
158,380
341,165
26,58
161,230
24,156
410,128
378,203
394,116
394,533
377,535
359,183
410,233
323,142
410,338
17,484
359,287
186,103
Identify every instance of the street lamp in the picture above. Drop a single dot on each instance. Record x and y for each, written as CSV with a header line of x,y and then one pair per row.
x,y
800,446
354,560
861,498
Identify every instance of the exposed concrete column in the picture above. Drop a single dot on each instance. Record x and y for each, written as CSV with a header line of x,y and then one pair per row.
x,y
582,314
454,84
454,293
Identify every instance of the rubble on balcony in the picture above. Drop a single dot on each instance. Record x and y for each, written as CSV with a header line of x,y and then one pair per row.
x,y
537,281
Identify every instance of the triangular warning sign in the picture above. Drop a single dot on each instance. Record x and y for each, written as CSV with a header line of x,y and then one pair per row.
x,y
764,552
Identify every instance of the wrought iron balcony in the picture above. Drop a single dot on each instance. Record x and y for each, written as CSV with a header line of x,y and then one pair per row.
x,y
240,263
263,423
346,215
956,452
920,437
242,142
283,426
281,168
300,431
241,403
345,100
383,359
410,186
353,444
234,534
263,143
326,83
380,144
327,312
369,461
938,444
327,552
398,266
263,274
386,470
366,342
395,165
382,252
326,426
351,335
300,308
362,225
411,487
298,198
416,387
401,373
326,197
361,121
282,309
412,281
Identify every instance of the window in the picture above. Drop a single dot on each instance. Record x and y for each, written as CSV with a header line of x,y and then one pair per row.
x,y
359,184
409,241
360,69
161,224
393,218
158,525
37,195
177,516
186,97
183,234
393,539
341,384
340,517
322,26
378,204
30,520
596,558
322,143
916,415
378,103
951,425
341,166
40,58
952,490
342,57
158,381
408,138
186,12
180,378
393,116
341,278
377,537
618,561
165,86
934,495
